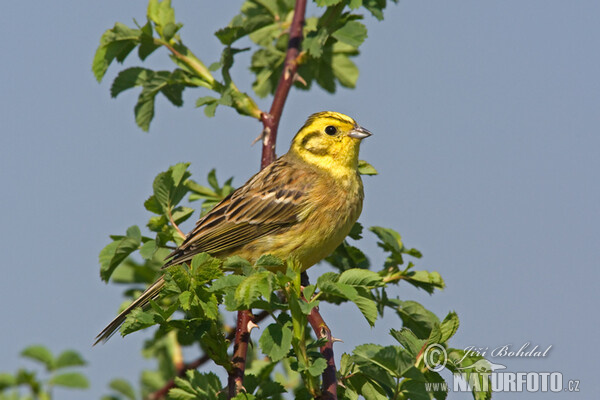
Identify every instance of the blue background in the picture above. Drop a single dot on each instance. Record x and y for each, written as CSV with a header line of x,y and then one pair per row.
x,y
486,136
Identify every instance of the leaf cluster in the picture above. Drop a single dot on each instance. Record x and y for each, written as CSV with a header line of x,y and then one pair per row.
x,y
58,370
332,38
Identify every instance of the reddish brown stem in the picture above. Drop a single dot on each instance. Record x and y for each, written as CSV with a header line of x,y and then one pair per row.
x,y
162,392
290,66
329,388
235,382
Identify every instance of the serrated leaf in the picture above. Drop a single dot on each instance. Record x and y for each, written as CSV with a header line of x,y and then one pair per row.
x,y
269,261
137,320
428,281
226,281
112,255
276,341
129,78
449,326
360,277
408,340
123,387
317,366
347,257
366,305
73,380
39,353
417,318
235,263
254,286
144,109
115,43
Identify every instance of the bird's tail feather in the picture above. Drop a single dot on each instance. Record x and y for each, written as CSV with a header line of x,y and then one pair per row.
x,y
150,294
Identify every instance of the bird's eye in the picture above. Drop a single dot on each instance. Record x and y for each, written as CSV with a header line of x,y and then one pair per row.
x,y
331,130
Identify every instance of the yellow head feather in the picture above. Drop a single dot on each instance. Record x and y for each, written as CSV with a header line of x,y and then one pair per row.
x,y
331,141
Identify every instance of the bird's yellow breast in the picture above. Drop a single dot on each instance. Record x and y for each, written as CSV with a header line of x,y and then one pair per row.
x,y
335,206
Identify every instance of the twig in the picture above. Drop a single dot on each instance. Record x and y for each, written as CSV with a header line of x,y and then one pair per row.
x,y
181,234
162,392
235,381
329,375
290,65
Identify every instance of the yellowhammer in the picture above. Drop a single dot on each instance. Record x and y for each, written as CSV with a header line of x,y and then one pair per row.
x,y
302,205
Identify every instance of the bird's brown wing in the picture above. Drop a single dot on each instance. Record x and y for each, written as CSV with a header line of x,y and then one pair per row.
x,y
271,201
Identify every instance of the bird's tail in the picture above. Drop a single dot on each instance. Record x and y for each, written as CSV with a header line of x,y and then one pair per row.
x,y
150,294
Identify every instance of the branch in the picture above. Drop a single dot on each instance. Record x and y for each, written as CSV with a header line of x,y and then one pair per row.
x,y
290,66
245,323
329,375
162,392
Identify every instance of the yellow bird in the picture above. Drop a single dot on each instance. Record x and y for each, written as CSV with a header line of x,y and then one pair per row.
x,y
302,205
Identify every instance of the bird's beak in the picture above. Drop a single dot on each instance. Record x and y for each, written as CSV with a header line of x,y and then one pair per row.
x,y
359,133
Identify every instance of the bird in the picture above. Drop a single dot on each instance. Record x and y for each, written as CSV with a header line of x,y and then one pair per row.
x,y
302,205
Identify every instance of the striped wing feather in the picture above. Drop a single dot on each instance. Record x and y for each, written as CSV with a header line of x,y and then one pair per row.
x,y
271,201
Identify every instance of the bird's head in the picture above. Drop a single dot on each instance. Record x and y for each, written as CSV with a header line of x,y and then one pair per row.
x,y
329,140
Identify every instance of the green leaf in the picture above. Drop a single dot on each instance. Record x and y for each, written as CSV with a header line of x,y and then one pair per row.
x,y
226,282
69,358
367,306
148,249
417,318
412,389
73,380
253,287
428,281
116,252
169,186
390,240
368,388
235,263
276,341
123,387
115,43
408,340
269,261
360,277
129,78
39,353
139,319
364,168
352,33
449,326
347,257
346,73
317,366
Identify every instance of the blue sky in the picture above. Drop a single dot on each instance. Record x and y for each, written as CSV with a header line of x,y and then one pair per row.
x,y
486,130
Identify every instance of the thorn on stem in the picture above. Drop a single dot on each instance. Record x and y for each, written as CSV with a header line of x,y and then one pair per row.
x,y
299,78
261,136
251,325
